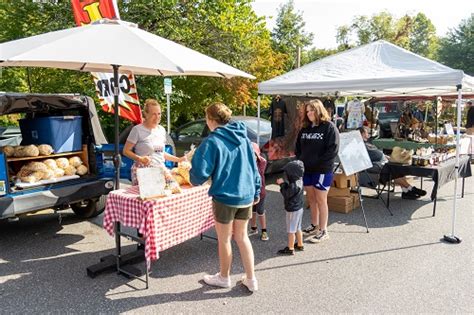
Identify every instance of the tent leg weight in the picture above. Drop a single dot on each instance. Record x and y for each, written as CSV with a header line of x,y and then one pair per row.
x,y
109,263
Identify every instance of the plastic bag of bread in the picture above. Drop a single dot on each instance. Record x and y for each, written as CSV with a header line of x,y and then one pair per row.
x,y
58,172
8,150
30,176
75,161
19,151
70,170
81,170
30,150
36,166
50,163
183,170
47,174
62,163
179,179
45,149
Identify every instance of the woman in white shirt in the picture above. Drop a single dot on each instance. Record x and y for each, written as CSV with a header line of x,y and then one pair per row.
x,y
146,142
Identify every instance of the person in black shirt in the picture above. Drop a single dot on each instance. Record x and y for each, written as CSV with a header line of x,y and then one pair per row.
x,y
317,145
277,114
470,119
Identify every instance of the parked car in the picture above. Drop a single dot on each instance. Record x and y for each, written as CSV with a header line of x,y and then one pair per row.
x,y
194,132
389,114
48,119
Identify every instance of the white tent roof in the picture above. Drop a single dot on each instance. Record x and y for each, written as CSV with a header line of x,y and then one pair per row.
x,y
376,69
104,43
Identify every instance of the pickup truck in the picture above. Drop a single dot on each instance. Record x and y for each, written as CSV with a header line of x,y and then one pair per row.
x,y
85,194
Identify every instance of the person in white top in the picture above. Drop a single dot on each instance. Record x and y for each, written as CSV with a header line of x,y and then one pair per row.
x,y
146,142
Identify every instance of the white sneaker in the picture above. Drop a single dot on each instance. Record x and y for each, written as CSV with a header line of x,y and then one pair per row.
x,y
323,236
217,280
251,284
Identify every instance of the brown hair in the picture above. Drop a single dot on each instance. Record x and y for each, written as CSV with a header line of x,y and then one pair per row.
x,y
150,102
320,111
219,113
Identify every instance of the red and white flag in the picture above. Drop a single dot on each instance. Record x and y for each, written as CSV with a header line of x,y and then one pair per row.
x,y
86,12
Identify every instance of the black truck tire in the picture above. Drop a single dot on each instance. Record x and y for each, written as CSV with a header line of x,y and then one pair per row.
x,y
89,208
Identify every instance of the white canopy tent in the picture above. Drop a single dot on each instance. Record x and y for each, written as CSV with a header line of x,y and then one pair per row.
x,y
377,69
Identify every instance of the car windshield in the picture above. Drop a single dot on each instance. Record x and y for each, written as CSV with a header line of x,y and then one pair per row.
x,y
265,126
388,110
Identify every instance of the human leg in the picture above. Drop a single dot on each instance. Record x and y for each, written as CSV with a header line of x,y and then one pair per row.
x,y
253,223
322,202
224,237
245,247
311,195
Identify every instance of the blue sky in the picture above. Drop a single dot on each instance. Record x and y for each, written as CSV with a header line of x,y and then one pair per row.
x,y
322,17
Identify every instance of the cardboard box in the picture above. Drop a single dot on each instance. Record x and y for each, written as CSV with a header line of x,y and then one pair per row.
x,y
340,180
339,192
344,204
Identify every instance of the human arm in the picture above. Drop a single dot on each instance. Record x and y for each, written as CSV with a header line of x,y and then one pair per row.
x,y
332,143
172,158
289,190
128,152
298,146
202,164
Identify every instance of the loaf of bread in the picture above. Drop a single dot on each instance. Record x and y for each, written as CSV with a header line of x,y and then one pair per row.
x,y
75,161
45,149
81,170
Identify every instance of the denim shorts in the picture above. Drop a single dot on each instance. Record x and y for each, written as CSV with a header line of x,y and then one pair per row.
x,y
321,181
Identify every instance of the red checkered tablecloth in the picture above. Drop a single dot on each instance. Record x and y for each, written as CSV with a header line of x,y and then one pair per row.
x,y
163,222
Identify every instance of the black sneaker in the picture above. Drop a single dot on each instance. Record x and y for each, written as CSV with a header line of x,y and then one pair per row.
x,y
410,195
419,191
299,248
286,251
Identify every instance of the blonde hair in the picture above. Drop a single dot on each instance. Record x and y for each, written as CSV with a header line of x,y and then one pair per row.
x,y
321,113
219,113
150,102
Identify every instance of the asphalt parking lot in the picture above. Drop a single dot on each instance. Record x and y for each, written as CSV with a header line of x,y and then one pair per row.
x,y
401,266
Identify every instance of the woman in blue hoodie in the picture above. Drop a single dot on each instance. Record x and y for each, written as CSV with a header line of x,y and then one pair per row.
x,y
227,158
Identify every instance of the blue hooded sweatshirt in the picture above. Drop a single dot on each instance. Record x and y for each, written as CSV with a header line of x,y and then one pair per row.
x,y
226,156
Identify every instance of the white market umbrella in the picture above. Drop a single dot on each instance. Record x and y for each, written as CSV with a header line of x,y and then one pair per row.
x,y
110,46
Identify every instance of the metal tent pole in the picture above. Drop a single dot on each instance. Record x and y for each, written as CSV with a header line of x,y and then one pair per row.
x,y
258,120
451,238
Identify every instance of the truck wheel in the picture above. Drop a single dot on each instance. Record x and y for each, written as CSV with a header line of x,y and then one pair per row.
x,y
87,208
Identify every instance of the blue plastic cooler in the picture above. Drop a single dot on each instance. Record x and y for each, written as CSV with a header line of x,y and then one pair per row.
x,y
63,133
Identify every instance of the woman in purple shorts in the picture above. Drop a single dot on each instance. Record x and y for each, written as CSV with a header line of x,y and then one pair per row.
x,y
317,145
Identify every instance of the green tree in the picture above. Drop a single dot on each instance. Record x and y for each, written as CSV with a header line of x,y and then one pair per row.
x,y
289,35
457,48
314,54
415,33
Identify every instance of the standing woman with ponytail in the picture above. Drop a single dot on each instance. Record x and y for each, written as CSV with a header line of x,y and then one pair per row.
x,y
227,158
317,145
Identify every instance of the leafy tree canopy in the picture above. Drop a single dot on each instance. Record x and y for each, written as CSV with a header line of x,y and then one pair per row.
x,y
457,48
289,35
415,33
